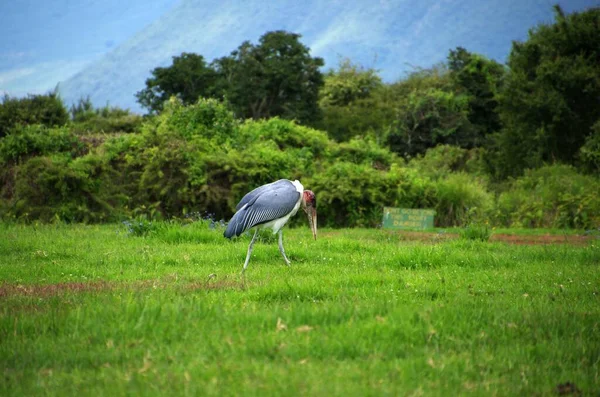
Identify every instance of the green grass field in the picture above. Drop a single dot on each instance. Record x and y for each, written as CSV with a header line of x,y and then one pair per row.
x,y
91,310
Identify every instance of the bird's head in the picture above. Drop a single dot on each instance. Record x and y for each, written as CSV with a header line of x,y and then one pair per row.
x,y
309,205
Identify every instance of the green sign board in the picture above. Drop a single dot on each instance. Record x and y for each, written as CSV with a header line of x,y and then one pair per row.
x,y
404,218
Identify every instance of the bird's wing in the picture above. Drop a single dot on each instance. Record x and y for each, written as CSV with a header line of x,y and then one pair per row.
x,y
263,205
253,195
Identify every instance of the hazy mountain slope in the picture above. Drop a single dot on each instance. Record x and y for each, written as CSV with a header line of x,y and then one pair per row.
x,y
391,36
43,42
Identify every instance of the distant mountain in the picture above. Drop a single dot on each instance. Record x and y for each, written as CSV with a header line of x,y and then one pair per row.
x,y
392,36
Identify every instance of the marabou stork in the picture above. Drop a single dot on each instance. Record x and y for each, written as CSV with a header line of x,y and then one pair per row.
x,y
271,206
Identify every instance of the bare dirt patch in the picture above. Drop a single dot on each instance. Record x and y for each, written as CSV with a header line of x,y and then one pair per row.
x,y
504,238
543,239
45,290
213,285
48,290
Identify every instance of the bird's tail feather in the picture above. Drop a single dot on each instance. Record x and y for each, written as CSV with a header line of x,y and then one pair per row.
x,y
234,227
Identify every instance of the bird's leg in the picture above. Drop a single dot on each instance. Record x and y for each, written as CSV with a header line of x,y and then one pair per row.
x,y
249,251
287,261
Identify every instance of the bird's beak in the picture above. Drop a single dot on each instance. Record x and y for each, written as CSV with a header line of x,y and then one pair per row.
x,y
312,219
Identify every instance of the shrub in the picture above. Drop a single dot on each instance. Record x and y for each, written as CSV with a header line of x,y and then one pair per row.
x,y
461,198
38,140
52,188
286,135
98,124
352,194
589,153
89,120
442,160
207,118
551,196
359,150
47,110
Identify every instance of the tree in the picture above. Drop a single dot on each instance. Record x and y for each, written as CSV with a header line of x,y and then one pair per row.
x,y
428,112
47,109
347,84
550,100
277,77
428,118
188,78
479,78
353,103
589,154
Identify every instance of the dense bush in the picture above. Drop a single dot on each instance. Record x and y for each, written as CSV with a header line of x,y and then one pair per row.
x,y
38,140
445,159
199,158
589,153
552,196
461,198
52,188
207,118
113,124
352,194
47,109
428,118
89,120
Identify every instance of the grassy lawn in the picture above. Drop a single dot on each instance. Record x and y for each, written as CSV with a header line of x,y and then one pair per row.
x,y
91,310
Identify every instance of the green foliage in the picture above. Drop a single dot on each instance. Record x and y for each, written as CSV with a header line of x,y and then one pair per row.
x,y
165,183
359,150
552,196
188,78
54,189
285,134
352,194
348,84
442,160
140,226
47,109
430,117
480,79
88,120
352,102
206,118
199,158
82,110
276,77
460,199
589,153
181,159
476,232
550,99
264,151
38,140
440,105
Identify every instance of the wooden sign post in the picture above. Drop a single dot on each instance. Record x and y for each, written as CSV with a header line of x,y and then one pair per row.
x,y
404,218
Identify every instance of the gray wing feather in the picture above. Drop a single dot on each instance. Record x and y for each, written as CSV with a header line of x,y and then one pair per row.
x,y
253,195
263,205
